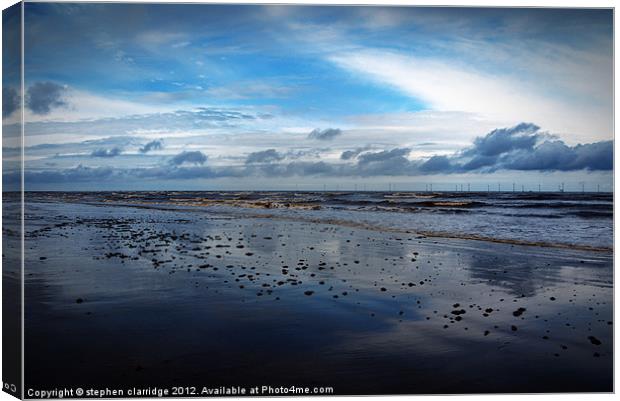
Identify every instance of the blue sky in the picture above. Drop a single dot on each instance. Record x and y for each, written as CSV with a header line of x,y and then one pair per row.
x,y
270,97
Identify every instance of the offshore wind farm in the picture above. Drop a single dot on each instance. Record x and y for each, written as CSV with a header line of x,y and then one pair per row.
x,y
359,185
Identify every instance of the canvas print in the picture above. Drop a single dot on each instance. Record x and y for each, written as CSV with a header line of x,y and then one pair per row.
x,y
265,200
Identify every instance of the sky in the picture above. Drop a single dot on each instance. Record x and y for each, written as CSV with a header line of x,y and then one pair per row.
x,y
179,96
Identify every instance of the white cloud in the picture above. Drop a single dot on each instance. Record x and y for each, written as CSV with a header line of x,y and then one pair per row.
x,y
448,87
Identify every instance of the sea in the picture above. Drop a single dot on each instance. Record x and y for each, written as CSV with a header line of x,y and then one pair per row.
x,y
554,219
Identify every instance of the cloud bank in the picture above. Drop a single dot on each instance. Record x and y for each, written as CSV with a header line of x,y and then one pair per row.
x,y
523,147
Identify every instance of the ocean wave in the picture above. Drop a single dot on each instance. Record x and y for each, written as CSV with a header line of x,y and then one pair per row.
x,y
560,205
590,214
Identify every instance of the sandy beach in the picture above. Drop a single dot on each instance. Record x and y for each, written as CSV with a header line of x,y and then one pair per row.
x,y
125,295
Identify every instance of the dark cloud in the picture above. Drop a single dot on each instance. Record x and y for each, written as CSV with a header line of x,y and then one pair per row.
x,y
264,156
10,101
115,151
383,155
84,174
42,97
193,157
524,147
386,162
294,168
479,161
313,168
487,150
556,155
324,135
594,156
185,172
153,145
502,140
350,154
436,164
73,175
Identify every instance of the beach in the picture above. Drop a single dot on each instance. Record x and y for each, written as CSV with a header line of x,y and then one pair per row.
x,y
123,291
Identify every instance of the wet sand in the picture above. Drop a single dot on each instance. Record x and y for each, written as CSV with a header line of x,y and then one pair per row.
x,y
124,296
